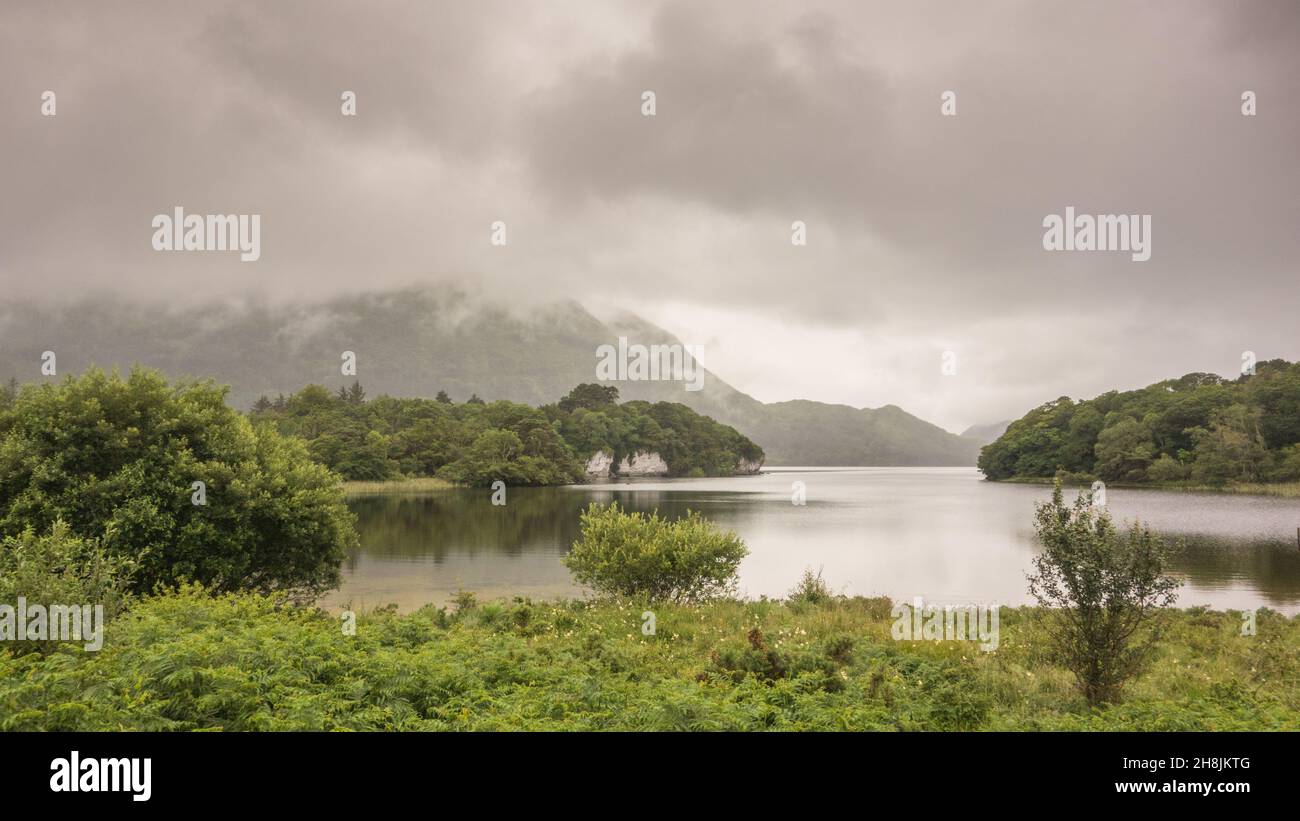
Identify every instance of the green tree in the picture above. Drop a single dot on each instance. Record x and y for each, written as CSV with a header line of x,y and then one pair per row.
x,y
117,459
1232,448
632,554
1032,445
590,396
1124,450
1275,391
385,437
1101,590
1238,427
356,453
1286,465
1168,469
498,454
1078,454
425,446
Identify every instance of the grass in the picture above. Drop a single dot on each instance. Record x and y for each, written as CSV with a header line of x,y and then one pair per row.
x,y
1290,490
419,484
188,661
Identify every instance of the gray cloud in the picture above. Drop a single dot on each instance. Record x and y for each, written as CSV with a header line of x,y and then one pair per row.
x,y
924,230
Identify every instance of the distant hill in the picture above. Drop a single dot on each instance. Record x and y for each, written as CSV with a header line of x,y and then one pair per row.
x,y
984,434
801,432
1200,428
416,342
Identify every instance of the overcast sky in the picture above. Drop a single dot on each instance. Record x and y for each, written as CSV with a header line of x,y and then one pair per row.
x,y
924,231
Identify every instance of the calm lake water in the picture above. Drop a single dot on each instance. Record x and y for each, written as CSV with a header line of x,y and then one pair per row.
x,y
940,533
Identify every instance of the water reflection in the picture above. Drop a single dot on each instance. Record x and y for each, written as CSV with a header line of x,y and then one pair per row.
x,y
940,533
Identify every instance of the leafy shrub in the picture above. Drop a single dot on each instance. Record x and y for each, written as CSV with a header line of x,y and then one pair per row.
x,y
632,554
819,666
753,657
60,568
116,458
811,589
1103,589
464,600
936,694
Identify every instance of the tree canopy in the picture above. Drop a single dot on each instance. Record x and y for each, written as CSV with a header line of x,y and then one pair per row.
x,y
1200,427
119,460
477,442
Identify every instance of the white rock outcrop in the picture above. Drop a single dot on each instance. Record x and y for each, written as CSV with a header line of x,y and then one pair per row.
x,y
646,463
746,466
643,463
599,464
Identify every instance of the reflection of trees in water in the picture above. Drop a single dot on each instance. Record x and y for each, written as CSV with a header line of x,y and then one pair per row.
x,y
1271,567
465,522
728,509
545,520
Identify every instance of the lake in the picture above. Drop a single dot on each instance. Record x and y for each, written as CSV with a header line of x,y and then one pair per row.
x,y
943,534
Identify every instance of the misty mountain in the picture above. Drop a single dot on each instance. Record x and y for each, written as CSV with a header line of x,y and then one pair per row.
x,y
416,342
984,434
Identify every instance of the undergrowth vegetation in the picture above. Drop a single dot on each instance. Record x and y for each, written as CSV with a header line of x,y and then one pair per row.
x,y
188,660
634,554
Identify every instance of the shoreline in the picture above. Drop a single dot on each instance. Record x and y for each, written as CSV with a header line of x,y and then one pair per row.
x,y
1288,490
419,484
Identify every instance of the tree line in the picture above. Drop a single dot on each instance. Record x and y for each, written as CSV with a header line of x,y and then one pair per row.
x,y
477,442
1199,428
